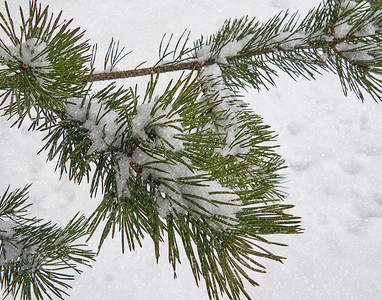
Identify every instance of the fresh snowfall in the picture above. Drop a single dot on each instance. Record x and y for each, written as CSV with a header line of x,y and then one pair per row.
x,y
332,145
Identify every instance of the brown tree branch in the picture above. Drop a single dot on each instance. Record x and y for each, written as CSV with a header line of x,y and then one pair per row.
x,y
192,65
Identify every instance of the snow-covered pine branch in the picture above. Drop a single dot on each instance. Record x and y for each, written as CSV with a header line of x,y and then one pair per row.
x,y
340,36
193,164
39,67
343,37
191,156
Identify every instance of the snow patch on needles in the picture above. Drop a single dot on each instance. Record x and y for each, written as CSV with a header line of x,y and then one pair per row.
x,y
158,125
177,187
368,30
123,174
191,189
9,249
227,125
32,55
289,40
99,121
204,53
355,52
230,49
211,199
348,4
342,30
141,119
13,247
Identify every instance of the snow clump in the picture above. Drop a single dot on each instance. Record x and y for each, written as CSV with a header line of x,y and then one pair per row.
x,y
32,55
8,250
99,121
228,107
289,40
161,125
230,49
355,52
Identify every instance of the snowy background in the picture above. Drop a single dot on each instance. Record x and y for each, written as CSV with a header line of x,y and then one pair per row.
x,y
332,145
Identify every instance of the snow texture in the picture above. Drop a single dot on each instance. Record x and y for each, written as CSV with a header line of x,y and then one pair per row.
x,y
348,4
355,51
31,54
231,48
367,30
345,27
212,197
99,121
228,106
8,248
164,123
288,40
12,247
332,145
342,30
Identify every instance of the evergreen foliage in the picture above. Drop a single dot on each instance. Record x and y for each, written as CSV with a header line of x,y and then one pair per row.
x,y
191,165
43,62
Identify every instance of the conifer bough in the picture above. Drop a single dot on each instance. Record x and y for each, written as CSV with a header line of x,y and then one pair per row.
x,y
192,165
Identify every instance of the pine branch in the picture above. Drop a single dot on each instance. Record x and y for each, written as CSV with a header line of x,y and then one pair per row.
x,y
41,65
193,164
192,175
199,65
247,52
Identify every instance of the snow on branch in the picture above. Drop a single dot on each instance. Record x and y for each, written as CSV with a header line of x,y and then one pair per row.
x,y
154,130
336,35
192,161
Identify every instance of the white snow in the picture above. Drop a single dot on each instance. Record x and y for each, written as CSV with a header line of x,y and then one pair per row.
x,y
332,145
141,120
165,123
8,247
11,246
289,40
100,122
123,175
367,30
221,199
204,53
348,4
76,109
342,30
231,48
226,125
31,54
170,194
354,51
